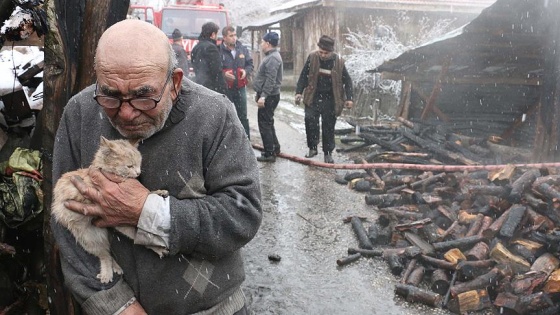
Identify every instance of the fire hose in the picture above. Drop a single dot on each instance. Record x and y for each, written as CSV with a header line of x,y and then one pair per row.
x,y
421,167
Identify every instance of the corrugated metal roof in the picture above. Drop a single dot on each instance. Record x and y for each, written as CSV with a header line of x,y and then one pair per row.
x,y
417,5
269,20
494,72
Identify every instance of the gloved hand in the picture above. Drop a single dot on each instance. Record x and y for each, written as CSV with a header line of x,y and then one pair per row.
x,y
298,99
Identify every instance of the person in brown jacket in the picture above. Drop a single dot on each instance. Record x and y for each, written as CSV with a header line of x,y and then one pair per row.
x,y
327,88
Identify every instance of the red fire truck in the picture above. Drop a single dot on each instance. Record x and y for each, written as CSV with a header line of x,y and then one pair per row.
x,y
187,16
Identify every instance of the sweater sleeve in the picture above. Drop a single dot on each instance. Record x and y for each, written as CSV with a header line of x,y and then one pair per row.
x,y
80,268
303,77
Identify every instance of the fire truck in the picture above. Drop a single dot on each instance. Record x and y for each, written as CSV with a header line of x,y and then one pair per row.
x,y
187,16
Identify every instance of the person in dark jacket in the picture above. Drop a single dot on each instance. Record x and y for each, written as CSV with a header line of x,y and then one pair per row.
x,y
267,84
206,59
180,53
237,67
327,88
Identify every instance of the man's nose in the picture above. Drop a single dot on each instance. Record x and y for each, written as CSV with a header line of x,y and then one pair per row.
x,y
127,112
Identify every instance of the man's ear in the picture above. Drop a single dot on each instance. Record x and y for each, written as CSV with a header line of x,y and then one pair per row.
x,y
177,79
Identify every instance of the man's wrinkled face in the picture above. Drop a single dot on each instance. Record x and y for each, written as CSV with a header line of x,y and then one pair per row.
x,y
230,38
129,121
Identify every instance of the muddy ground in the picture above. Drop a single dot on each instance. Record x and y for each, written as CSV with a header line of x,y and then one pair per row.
x,y
302,224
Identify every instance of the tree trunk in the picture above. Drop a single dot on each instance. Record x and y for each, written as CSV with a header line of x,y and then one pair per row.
x,y
75,28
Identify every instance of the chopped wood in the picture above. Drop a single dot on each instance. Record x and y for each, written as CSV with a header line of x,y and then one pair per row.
x,y
438,263
454,255
412,225
546,263
479,251
463,243
395,264
440,281
348,259
416,276
474,269
489,279
409,268
413,295
425,247
513,221
503,256
522,184
470,301
385,200
493,229
366,252
361,234
475,225
526,283
553,283
401,212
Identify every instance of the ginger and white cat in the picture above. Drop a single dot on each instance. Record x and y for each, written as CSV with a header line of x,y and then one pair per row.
x,y
119,157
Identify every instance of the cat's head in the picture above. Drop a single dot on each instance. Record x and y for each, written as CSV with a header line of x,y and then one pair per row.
x,y
120,157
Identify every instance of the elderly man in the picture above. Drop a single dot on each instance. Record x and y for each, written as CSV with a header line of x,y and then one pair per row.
x,y
194,147
327,88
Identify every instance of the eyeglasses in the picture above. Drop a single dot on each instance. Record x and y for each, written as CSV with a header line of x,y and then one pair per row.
x,y
139,103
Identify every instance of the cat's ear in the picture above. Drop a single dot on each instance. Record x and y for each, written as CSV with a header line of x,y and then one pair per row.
x,y
103,140
134,142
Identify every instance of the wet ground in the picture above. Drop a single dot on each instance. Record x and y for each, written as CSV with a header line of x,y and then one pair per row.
x,y
302,224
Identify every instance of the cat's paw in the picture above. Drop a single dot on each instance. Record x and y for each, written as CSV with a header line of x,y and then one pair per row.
x,y
160,251
117,268
105,276
161,192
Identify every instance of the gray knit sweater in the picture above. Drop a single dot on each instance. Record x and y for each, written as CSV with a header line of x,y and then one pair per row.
x,y
203,158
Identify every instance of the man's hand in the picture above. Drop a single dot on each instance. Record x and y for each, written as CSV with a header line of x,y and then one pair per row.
x,y
260,102
113,203
348,104
229,75
243,74
298,99
134,309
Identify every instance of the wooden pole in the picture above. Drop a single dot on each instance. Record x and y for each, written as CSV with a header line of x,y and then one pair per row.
x,y
75,28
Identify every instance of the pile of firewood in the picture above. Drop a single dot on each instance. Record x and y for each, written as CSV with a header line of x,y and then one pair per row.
x,y
465,241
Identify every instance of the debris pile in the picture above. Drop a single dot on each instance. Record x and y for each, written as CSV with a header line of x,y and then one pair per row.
x,y
467,241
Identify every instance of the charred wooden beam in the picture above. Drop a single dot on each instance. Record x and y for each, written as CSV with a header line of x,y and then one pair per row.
x,y
361,234
474,269
425,247
463,243
409,268
486,223
539,221
413,295
440,281
436,148
395,264
348,259
522,184
400,212
438,263
493,229
431,232
420,183
489,279
378,234
412,225
475,226
491,190
366,252
478,252
416,276
385,200
513,221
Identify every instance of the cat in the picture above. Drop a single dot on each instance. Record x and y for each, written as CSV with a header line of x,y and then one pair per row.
x,y
119,157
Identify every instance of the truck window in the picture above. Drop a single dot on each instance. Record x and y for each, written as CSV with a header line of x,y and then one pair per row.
x,y
190,22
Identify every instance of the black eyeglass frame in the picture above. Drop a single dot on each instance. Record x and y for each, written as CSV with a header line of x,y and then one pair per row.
x,y
132,99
